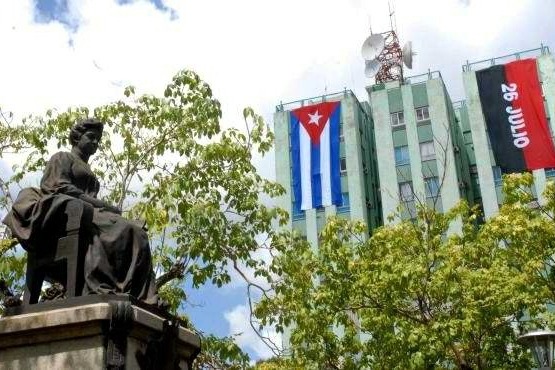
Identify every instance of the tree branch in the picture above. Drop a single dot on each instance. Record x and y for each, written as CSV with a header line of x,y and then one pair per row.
x,y
177,271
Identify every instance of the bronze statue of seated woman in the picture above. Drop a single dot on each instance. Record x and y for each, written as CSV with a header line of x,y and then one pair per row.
x,y
117,259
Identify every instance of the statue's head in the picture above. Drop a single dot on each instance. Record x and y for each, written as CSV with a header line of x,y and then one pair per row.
x,y
92,129
82,126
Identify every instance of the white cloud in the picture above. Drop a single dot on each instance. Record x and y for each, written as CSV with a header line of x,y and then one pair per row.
x,y
239,326
251,52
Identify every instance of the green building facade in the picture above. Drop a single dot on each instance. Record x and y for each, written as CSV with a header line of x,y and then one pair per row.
x,y
359,180
421,147
409,145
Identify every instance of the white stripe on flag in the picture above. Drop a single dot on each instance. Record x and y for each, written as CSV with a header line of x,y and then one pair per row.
x,y
306,186
325,168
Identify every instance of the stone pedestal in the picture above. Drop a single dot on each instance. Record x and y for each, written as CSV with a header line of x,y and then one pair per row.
x,y
94,332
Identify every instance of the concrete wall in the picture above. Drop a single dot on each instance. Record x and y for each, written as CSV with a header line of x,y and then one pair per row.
x,y
283,162
389,191
546,66
443,143
355,173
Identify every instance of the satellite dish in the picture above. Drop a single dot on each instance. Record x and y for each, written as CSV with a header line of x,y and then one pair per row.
x,y
408,53
373,46
372,67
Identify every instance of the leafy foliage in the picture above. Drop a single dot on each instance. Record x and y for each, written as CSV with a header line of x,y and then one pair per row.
x,y
165,160
414,296
221,353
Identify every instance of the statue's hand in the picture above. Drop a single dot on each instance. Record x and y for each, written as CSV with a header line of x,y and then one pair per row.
x,y
99,203
112,209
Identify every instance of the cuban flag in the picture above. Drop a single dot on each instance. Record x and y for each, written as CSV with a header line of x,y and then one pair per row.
x,y
315,155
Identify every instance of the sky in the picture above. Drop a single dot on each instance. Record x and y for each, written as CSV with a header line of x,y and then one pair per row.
x,y
61,53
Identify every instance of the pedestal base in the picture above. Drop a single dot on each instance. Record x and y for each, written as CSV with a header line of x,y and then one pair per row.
x,y
94,332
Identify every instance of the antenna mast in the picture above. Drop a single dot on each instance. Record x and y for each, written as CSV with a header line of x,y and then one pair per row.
x,y
392,19
383,54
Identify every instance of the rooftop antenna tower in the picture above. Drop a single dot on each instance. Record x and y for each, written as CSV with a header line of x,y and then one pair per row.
x,y
391,17
384,57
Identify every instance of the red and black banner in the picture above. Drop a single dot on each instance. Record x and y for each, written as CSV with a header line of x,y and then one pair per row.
x,y
515,116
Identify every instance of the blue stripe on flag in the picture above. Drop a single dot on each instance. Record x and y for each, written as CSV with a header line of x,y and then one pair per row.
x,y
335,120
296,158
315,175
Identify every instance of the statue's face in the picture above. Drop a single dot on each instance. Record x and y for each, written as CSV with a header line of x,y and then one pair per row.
x,y
88,143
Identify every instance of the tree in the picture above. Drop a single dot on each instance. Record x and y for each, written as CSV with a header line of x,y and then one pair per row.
x,y
414,297
221,353
163,159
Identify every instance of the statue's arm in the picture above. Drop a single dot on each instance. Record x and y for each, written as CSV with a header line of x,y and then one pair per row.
x,y
99,203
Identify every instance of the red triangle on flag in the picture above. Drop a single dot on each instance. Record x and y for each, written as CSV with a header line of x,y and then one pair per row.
x,y
314,118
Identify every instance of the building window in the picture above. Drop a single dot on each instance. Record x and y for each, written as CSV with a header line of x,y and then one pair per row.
x,y
550,172
341,136
497,175
402,155
405,191
343,166
397,119
346,206
432,187
422,114
427,151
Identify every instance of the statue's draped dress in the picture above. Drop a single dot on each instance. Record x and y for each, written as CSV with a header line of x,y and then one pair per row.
x,y
118,259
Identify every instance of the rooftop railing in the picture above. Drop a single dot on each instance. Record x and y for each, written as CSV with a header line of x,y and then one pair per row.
x,y
421,78
313,100
481,64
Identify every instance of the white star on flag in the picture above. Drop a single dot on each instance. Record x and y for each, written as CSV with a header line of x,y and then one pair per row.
x,y
314,118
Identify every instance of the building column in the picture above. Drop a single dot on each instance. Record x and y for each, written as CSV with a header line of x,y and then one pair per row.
x,y
353,156
480,142
283,164
546,67
443,146
389,189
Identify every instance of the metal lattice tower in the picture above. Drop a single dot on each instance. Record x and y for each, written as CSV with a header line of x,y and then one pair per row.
x,y
391,59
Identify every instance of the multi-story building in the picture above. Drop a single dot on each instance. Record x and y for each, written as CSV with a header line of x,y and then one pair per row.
x,y
421,146
359,180
486,171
